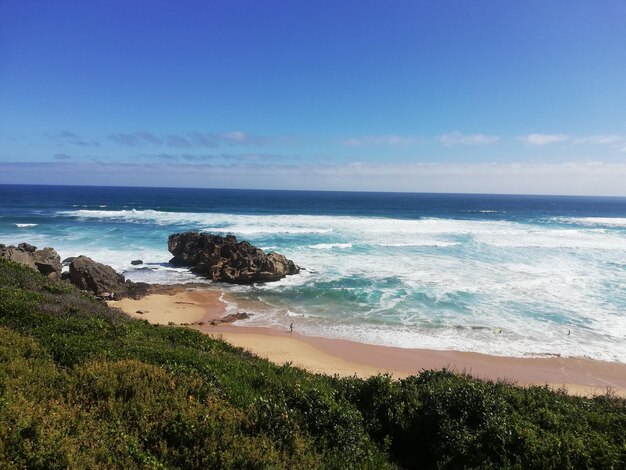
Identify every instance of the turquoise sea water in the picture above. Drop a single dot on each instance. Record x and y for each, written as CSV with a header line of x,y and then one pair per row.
x,y
507,275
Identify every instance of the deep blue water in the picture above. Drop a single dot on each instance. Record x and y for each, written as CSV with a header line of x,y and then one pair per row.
x,y
414,270
22,198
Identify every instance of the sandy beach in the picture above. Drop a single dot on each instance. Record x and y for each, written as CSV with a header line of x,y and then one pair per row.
x,y
180,306
201,308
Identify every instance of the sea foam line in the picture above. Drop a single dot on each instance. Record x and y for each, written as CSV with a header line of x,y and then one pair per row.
x,y
426,232
609,221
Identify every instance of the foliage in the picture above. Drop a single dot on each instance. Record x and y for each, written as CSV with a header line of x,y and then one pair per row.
x,y
82,386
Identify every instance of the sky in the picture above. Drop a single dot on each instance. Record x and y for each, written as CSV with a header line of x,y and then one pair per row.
x,y
424,96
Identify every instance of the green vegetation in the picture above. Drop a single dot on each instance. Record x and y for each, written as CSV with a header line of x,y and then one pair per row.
x,y
82,386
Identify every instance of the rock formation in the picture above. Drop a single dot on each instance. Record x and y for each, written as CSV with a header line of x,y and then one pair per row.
x,y
103,280
47,261
98,278
84,272
224,259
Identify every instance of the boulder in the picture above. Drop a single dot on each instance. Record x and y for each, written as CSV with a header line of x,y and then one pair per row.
x,y
136,262
233,317
224,259
98,278
47,261
26,247
17,255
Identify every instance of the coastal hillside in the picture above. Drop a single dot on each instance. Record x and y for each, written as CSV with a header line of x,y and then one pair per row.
x,y
84,386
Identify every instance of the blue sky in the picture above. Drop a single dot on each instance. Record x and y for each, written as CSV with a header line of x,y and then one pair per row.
x,y
449,96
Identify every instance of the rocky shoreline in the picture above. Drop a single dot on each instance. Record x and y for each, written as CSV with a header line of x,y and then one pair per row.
x,y
88,275
221,259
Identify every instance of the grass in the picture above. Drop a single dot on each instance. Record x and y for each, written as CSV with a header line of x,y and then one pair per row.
x,y
82,386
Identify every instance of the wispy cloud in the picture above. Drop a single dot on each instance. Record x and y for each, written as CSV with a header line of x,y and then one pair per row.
x,y
544,139
456,138
601,139
610,140
178,141
221,157
196,139
62,156
212,139
390,140
71,138
136,139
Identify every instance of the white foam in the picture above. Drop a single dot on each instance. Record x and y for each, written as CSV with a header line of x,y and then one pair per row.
x,y
431,243
381,231
25,225
163,276
609,221
270,229
330,246
494,336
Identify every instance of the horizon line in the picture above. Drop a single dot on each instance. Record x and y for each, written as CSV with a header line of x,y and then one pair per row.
x,y
322,190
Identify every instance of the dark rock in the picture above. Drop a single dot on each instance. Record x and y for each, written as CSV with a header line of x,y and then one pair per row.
x,y
67,261
98,278
136,262
26,247
136,290
47,261
234,317
226,260
103,280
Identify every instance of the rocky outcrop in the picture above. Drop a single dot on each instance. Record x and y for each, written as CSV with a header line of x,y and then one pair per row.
x,y
84,272
47,261
103,280
98,278
224,259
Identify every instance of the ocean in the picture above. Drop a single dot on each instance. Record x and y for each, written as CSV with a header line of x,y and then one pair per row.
x,y
503,275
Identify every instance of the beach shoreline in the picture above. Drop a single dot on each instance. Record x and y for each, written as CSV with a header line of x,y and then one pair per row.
x,y
204,309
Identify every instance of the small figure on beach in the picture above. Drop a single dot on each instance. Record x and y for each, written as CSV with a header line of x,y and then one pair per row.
x,y
291,328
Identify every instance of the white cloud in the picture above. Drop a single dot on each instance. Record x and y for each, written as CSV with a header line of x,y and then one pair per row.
x,y
391,140
544,139
456,138
602,139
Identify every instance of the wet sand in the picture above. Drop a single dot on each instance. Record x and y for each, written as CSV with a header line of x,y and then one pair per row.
x,y
346,358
